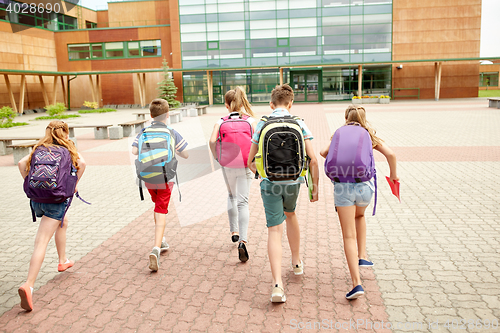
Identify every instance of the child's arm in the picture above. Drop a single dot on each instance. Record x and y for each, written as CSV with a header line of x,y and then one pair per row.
x,y
213,140
183,154
251,163
23,163
324,151
313,169
391,159
81,165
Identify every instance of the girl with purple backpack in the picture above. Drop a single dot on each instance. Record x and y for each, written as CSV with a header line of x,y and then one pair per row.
x,y
230,144
350,165
42,170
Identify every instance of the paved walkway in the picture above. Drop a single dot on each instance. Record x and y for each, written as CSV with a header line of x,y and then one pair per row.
x,y
436,254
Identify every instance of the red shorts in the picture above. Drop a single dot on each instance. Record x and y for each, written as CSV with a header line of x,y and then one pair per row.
x,y
160,195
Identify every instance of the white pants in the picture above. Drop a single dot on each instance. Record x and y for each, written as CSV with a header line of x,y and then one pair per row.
x,y
238,182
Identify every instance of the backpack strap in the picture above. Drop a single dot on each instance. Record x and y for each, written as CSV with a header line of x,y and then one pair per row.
x,y
375,204
264,118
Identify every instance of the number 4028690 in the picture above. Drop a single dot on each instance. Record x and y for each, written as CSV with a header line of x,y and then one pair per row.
x,y
32,8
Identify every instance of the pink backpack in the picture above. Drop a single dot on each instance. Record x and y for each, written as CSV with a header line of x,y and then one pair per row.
x,y
234,141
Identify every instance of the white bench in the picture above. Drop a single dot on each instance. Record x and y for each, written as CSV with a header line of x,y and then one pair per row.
x,y
494,103
138,125
100,131
21,150
5,142
175,117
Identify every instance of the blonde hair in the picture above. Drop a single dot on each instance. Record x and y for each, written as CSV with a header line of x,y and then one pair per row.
x,y
358,114
55,134
238,102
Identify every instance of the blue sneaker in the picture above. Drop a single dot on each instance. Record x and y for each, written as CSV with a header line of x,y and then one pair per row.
x,y
355,293
365,263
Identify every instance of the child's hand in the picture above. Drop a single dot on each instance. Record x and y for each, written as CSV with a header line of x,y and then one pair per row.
x,y
393,178
315,197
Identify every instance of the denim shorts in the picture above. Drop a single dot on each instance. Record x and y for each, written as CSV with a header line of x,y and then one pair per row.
x,y
54,211
353,194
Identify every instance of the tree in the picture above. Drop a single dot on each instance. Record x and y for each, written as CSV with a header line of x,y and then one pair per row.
x,y
167,89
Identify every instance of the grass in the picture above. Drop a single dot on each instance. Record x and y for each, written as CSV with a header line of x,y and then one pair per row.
x,y
97,111
12,125
489,93
62,116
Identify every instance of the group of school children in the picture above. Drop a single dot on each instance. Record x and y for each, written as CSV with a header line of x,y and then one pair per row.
x,y
277,150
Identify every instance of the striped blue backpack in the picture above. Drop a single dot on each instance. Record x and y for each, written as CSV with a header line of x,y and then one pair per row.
x,y
156,162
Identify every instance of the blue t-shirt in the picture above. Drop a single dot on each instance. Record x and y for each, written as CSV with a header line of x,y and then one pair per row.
x,y
305,132
180,143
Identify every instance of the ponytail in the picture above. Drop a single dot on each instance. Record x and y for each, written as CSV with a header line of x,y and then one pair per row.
x,y
237,101
358,114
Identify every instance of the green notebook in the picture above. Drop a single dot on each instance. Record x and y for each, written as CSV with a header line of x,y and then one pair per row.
x,y
310,184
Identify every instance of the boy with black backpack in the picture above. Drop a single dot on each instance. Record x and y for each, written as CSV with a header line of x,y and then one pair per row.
x,y
283,151
156,147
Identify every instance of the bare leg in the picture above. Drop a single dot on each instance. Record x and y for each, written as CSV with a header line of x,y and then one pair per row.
x,y
46,229
274,250
60,239
293,234
361,232
160,222
348,225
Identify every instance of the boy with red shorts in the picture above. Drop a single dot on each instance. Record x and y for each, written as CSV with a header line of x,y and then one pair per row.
x,y
160,193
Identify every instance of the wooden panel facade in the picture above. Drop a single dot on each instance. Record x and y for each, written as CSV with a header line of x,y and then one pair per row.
x,y
133,14
437,29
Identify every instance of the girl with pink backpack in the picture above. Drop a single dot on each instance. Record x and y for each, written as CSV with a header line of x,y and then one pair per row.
x,y
351,167
230,144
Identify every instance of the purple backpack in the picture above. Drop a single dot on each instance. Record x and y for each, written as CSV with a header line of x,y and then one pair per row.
x,y
52,177
350,158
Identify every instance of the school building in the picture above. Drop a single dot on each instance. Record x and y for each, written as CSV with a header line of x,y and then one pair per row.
x,y
327,50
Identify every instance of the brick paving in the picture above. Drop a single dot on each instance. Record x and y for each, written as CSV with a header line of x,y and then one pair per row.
x,y
436,254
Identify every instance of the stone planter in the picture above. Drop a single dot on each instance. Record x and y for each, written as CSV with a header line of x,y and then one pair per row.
x,y
384,100
370,100
356,101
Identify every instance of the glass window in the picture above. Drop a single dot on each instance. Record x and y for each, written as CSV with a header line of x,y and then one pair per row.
x,y
114,50
213,45
283,41
151,48
133,49
488,79
96,50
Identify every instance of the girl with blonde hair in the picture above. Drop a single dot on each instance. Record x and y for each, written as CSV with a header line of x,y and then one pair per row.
x,y
52,214
230,145
351,200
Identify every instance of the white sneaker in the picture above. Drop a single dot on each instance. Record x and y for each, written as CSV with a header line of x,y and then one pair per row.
x,y
298,269
164,245
154,259
278,295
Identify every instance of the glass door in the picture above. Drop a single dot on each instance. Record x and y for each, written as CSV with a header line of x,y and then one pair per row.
x,y
307,86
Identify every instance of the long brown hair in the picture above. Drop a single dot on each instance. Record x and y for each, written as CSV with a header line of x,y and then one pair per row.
x,y
238,102
357,114
55,134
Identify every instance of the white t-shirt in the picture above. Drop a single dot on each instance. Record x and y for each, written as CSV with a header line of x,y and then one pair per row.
x,y
235,115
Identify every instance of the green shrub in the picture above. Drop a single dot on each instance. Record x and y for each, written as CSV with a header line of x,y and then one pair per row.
x,y
97,111
61,116
6,115
55,109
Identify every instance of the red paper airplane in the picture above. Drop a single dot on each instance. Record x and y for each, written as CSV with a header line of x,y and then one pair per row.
x,y
394,187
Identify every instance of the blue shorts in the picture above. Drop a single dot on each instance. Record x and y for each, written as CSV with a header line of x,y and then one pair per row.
x,y
353,194
54,211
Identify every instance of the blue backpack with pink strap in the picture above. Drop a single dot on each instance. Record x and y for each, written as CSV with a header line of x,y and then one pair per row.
x,y
350,158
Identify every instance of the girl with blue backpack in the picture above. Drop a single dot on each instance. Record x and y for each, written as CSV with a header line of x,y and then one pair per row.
x,y
230,144
51,173
351,167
